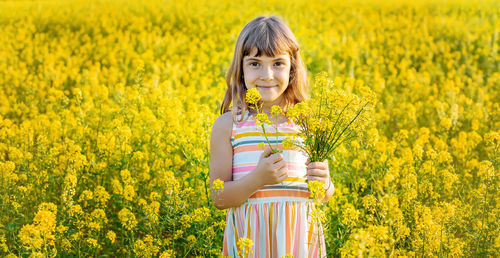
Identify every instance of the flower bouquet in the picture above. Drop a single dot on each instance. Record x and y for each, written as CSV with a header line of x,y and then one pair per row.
x,y
331,117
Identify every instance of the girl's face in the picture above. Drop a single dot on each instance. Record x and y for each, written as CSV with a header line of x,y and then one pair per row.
x,y
270,75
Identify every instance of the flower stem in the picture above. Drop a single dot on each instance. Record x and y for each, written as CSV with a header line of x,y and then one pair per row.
x,y
276,132
265,135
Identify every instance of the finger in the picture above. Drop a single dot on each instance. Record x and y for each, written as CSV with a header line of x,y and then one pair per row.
x,y
317,165
283,177
279,165
317,172
276,157
282,171
307,161
315,178
265,153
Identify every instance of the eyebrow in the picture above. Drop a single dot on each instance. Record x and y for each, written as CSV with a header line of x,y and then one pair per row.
x,y
256,59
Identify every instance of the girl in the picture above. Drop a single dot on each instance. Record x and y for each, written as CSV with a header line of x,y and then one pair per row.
x,y
266,194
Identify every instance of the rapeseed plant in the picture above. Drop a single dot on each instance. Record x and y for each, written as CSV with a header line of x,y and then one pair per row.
x,y
77,108
330,118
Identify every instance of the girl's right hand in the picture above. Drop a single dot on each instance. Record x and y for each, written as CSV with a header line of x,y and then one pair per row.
x,y
271,168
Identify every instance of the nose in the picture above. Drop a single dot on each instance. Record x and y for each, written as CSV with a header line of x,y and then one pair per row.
x,y
266,73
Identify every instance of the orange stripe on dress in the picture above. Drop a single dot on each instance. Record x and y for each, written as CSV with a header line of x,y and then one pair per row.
x,y
280,193
310,237
295,229
224,244
253,147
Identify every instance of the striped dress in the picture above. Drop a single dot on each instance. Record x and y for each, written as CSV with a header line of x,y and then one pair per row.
x,y
275,217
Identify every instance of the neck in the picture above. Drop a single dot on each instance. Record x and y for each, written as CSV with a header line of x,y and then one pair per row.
x,y
266,106
266,109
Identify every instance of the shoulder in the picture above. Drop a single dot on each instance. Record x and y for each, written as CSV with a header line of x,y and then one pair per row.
x,y
223,124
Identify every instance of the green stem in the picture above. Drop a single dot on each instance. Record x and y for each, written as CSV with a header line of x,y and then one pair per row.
x,y
265,135
276,131
264,130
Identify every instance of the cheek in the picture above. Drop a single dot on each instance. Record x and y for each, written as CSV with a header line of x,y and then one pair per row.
x,y
249,75
284,74
284,77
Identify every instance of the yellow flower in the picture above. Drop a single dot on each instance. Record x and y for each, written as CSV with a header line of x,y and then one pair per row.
x,y
253,96
142,202
445,123
61,229
146,247
75,210
37,255
276,110
201,214
154,196
98,219
191,239
125,175
129,192
262,145
186,220
262,118
218,184
152,211
30,236
178,234
127,218
287,143
116,186
46,223
101,195
86,196
167,254
92,242
244,244
317,190
111,236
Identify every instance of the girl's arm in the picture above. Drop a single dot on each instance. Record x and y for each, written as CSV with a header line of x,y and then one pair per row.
x,y
221,165
271,168
329,191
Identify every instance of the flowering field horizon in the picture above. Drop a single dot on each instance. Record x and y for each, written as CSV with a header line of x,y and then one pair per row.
x,y
106,110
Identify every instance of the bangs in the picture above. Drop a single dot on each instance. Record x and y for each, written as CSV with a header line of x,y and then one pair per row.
x,y
269,39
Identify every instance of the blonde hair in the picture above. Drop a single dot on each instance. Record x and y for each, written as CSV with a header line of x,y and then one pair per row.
x,y
270,36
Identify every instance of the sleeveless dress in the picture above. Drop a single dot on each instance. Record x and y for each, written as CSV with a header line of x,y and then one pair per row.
x,y
275,217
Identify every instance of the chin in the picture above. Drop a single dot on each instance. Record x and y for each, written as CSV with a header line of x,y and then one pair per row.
x,y
268,97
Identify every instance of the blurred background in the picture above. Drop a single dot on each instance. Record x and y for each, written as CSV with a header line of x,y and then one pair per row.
x,y
106,110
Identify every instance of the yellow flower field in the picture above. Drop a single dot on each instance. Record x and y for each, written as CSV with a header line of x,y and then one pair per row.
x,y
106,109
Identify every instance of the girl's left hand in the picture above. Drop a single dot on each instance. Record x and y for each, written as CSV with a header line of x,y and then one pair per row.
x,y
318,171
